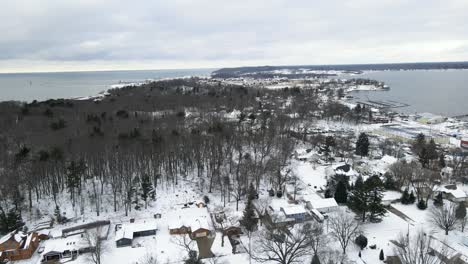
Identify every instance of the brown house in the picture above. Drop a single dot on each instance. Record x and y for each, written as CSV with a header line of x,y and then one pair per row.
x,y
17,245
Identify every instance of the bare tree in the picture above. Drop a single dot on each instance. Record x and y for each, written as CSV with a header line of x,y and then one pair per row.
x,y
149,258
318,238
93,240
185,242
419,249
343,227
283,245
445,217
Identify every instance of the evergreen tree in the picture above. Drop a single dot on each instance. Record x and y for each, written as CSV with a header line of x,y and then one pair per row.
x,y
146,188
439,201
375,188
368,199
405,197
432,150
359,182
381,255
424,157
362,145
358,201
390,183
412,197
58,214
442,163
10,221
248,221
252,193
315,259
341,192
422,204
74,172
460,213
419,143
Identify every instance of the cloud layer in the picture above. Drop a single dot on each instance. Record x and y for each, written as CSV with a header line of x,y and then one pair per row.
x,y
104,34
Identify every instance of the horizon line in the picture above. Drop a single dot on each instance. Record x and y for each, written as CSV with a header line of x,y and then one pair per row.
x,y
244,66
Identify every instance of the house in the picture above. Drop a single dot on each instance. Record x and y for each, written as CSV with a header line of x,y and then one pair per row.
x,y
296,212
18,246
193,221
126,233
65,248
451,192
323,205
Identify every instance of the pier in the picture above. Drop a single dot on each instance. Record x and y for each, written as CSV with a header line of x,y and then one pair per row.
x,y
382,104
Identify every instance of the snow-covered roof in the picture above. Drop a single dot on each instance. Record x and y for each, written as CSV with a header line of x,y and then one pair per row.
x,y
457,192
294,209
71,243
17,236
194,217
391,195
323,203
127,230
29,239
123,233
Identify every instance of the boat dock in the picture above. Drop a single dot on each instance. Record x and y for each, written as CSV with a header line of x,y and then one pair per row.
x,y
382,104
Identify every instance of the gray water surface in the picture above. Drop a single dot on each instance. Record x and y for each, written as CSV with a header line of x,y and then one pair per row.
x,y
42,86
443,92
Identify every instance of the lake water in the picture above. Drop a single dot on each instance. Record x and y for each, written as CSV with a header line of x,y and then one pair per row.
x,y
42,86
442,92
437,91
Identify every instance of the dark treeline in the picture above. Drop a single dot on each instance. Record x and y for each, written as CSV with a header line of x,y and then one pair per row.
x,y
355,68
138,138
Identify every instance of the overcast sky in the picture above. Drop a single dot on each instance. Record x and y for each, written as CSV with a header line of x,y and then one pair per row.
x,y
56,35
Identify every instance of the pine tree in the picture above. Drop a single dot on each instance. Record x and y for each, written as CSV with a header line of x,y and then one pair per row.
x,y
146,188
248,221
375,188
432,150
390,183
412,197
439,201
358,201
381,255
442,163
460,213
419,143
10,221
252,193
315,259
341,192
424,157
58,214
362,145
359,182
368,199
405,197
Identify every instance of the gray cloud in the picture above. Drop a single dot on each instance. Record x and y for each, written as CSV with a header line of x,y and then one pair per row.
x,y
244,32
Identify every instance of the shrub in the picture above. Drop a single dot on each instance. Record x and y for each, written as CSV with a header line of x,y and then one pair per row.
x,y
422,205
361,241
381,255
